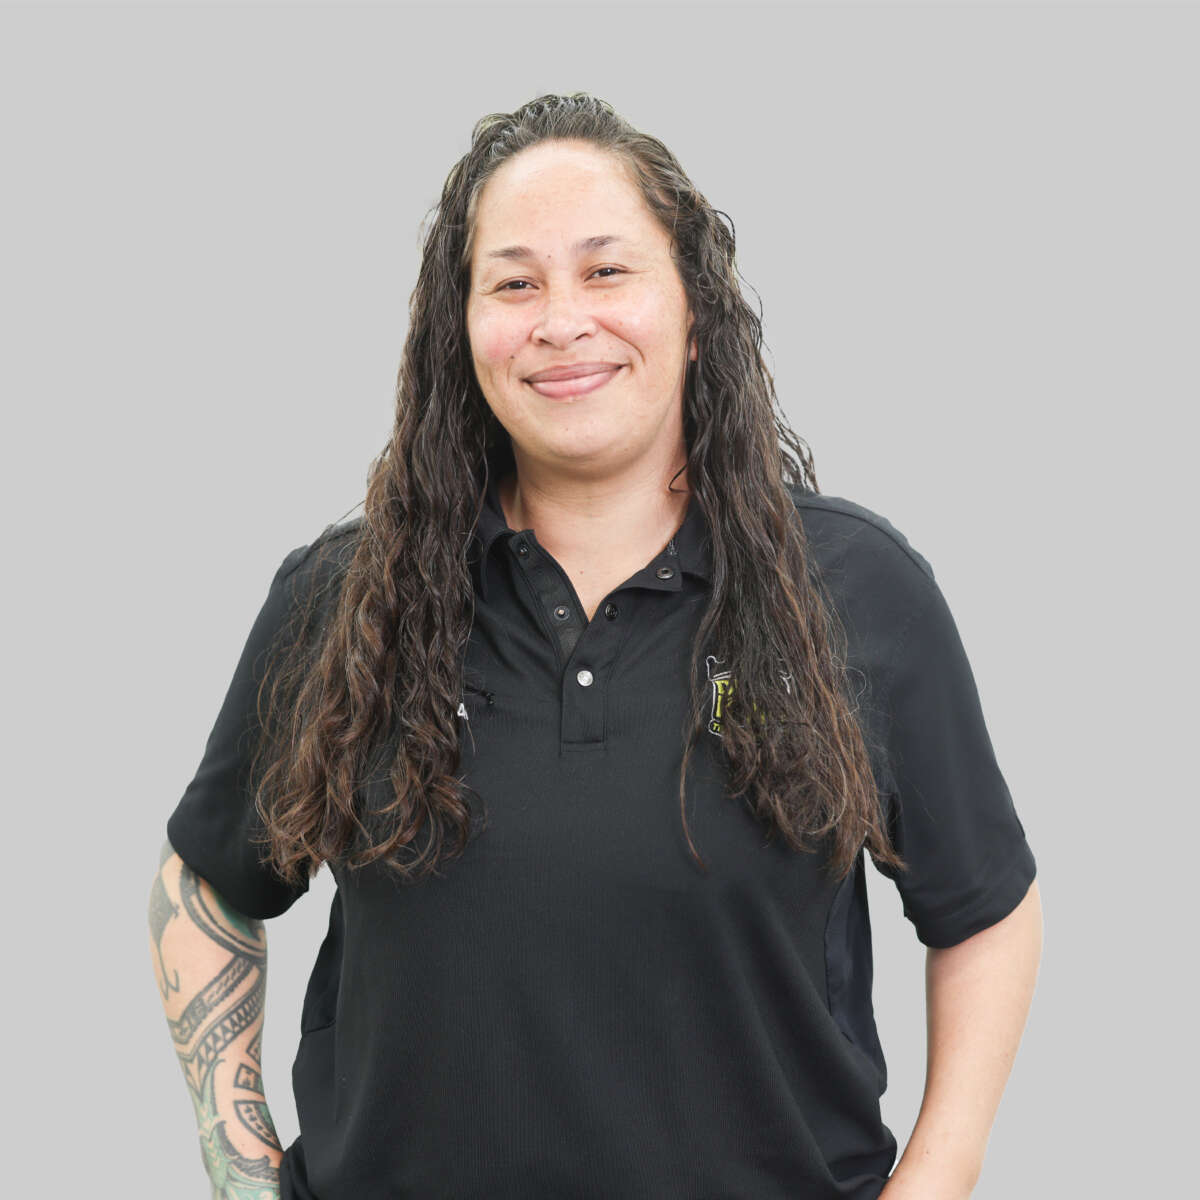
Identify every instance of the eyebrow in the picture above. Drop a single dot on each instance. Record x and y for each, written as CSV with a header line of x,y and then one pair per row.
x,y
597,242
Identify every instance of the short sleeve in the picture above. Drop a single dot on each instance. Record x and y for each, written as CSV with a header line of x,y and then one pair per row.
x,y
949,808
211,826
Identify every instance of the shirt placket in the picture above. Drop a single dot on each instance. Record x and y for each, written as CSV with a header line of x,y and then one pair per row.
x,y
587,651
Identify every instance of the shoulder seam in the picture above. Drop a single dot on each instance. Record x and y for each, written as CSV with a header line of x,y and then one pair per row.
x,y
803,500
901,642
328,534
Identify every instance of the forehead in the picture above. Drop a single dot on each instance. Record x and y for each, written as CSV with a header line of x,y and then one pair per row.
x,y
553,202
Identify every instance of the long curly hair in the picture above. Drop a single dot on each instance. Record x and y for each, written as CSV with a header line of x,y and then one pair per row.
x,y
367,673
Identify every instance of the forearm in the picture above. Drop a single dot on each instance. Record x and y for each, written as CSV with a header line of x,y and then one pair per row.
x,y
211,965
978,995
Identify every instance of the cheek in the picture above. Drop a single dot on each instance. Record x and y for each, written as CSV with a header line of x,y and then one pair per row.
x,y
645,319
633,324
495,340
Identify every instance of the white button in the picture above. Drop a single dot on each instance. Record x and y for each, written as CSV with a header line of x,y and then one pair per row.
x,y
584,677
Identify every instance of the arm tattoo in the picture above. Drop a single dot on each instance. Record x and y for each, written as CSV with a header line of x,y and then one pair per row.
x,y
220,1026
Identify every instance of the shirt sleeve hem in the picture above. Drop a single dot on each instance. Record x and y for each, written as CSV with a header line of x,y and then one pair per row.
x,y
253,905
1004,895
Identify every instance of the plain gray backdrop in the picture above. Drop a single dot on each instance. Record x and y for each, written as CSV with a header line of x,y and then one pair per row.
x,y
973,231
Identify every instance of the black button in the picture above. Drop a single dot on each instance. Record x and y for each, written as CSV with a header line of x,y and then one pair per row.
x,y
522,549
562,612
611,610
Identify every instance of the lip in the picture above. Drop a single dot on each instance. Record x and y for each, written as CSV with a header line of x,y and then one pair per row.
x,y
571,371
579,385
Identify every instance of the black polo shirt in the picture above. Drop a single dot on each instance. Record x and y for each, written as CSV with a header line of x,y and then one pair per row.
x,y
573,1009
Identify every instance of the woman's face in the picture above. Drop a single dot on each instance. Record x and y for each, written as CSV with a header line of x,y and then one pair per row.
x,y
552,299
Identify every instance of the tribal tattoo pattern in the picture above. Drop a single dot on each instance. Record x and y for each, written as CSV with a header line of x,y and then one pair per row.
x,y
219,1027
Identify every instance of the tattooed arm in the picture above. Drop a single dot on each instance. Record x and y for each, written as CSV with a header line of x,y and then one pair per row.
x,y
211,965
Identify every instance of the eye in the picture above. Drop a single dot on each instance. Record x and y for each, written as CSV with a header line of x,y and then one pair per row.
x,y
504,287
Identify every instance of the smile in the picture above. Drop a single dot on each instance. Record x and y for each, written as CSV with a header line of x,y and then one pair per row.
x,y
560,389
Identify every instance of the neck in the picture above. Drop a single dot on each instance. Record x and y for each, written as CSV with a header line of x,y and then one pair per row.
x,y
629,518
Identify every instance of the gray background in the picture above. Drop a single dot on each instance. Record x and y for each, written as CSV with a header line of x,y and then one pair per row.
x,y
973,229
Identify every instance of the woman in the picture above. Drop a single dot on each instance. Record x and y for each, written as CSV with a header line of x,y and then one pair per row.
x,y
593,714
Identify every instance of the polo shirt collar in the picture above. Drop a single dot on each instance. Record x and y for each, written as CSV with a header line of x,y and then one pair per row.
x,y
689,550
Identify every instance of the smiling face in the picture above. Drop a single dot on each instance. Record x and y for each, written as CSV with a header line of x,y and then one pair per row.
x,y
569,266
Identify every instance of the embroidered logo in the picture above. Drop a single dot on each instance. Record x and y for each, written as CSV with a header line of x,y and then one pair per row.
x,y
721,685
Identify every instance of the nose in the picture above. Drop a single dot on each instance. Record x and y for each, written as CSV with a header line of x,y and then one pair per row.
x,y
565,316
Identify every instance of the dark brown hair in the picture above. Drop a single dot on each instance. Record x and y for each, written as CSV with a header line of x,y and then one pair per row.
x,y
368,675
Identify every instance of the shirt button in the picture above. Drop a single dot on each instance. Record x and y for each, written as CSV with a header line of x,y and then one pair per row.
x,y
611,610
562,612
665,572
584,677
522,549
